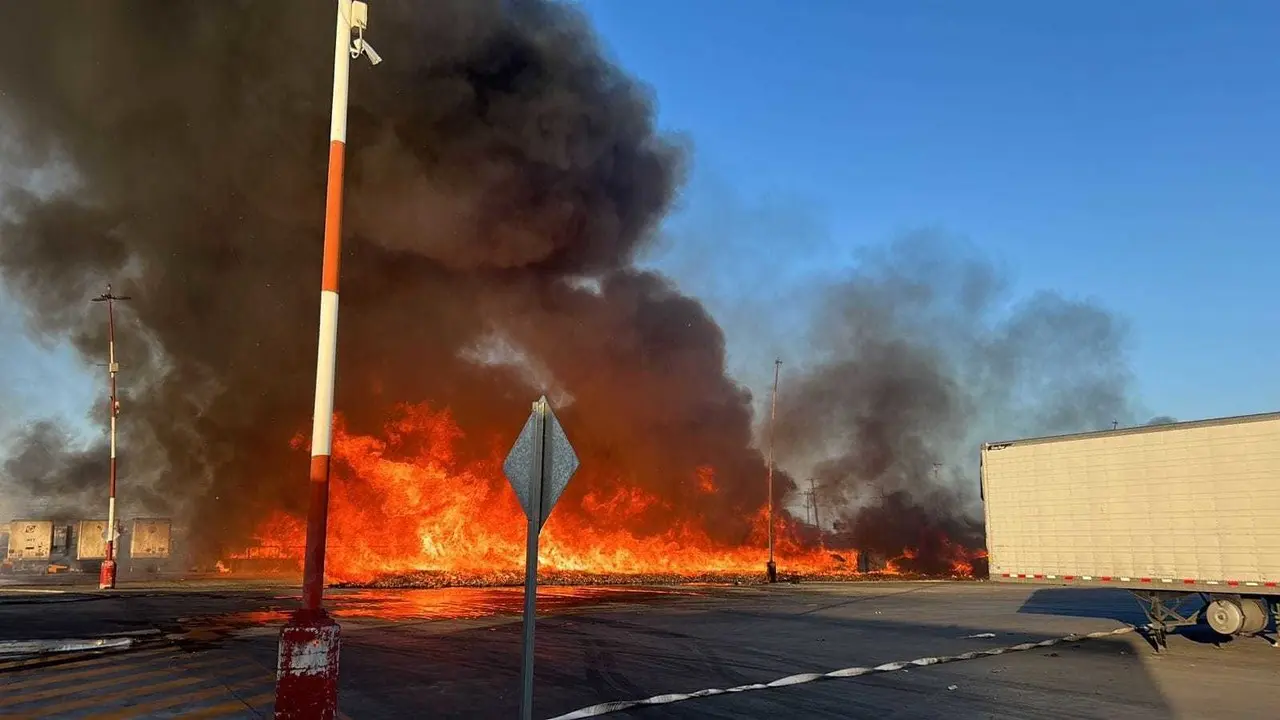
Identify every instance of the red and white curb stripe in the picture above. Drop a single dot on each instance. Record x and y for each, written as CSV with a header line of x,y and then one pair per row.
x,y
620,705
1114,578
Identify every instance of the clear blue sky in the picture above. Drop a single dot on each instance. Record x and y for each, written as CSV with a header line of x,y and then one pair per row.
x,y
1125,152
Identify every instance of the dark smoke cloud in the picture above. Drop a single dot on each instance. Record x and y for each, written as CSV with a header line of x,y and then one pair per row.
x,y
57,471
495,157
61,474
503,179
918,358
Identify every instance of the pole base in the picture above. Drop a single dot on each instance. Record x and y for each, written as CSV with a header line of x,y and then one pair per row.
x,y
771,570
307,669
107,575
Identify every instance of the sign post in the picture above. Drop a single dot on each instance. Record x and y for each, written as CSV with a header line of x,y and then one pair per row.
x,y
539,467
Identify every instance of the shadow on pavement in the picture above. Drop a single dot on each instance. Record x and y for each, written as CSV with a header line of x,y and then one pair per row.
x,y
1119,605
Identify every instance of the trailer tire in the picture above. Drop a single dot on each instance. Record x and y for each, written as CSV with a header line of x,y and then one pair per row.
x,y
1256,615
1225,616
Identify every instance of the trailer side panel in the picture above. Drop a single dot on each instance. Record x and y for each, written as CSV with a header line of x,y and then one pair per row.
x,y
1192,506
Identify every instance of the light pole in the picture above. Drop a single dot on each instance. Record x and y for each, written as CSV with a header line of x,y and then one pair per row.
x,y
107,575
307,666
771,568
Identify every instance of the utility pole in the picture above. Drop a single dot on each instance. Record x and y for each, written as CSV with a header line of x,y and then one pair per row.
x,y
107,575
307,666
813,496
771,568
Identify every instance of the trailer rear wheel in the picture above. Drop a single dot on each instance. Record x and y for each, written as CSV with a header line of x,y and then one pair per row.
x,y
1225,616
1255,615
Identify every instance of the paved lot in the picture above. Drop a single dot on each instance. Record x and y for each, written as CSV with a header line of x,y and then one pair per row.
x,y
455,653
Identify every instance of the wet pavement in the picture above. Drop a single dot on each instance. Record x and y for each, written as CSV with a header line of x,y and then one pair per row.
x,y
460,603
455,653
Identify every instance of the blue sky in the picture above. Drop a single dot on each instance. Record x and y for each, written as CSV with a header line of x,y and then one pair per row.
x,y
1123,152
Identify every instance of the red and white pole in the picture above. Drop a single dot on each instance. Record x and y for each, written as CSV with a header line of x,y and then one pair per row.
x,y
107,577
771,568
307,670
107,573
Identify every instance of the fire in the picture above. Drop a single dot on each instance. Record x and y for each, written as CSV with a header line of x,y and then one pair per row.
x,y
405,502
944,556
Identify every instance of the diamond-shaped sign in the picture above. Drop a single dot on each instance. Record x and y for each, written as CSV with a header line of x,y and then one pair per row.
x,y
540,480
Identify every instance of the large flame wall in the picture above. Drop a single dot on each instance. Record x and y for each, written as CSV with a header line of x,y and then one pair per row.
x,y
395,512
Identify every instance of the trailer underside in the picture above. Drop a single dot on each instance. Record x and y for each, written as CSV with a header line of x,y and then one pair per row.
x,y
1227,608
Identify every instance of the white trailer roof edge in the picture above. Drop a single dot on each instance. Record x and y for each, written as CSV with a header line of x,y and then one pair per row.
x,y
1136,430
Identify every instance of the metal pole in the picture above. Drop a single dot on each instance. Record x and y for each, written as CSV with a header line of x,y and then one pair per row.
x,y
531,559
307,669
813,495
112,368
107,574
771,568
327,350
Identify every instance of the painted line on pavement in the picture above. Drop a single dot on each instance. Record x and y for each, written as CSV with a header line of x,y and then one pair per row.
x,y
799,679
79,671
157,682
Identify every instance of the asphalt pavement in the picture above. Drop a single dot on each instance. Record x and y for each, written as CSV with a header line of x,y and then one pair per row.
x,y
208,650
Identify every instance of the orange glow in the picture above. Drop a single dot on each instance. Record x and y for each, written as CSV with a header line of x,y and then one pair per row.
x,y
441,604
707,479
393,512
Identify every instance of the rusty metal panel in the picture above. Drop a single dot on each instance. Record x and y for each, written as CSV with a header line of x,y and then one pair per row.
x,y
150,538
91,539
30,539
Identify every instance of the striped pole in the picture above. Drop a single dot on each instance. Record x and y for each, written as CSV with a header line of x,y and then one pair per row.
x,y
107,573
307,669
771,568
107,578
327,352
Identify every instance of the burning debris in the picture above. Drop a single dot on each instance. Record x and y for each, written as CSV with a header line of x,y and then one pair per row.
x,y
437,579
503,178
409,512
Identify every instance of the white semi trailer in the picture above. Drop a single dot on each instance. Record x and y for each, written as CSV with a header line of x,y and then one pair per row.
x,y
1173,513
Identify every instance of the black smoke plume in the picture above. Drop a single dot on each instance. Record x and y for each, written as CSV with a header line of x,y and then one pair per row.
x,y
503,178
497,159
917,358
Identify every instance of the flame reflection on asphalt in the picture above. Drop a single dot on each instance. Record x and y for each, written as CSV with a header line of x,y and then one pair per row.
x,y
454,603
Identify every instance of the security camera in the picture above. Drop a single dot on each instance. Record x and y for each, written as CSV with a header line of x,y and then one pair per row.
x,y
360,47
374,57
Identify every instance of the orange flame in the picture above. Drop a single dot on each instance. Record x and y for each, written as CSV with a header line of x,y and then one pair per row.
x,y
394,510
